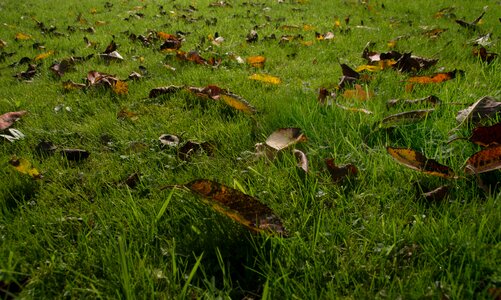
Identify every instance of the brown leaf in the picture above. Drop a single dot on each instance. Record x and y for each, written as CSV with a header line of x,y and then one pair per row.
x,y
434,33
495,292
120,87
417,161
485,107
169,140
28,74
302,160
435,78
471,25
487,135
159,91
359,93
70,85
110,48
338,173
7,119
349,72
285,137
485,56
252,37
433,100
75,154
242,208
132,180
95,78
124,113
190,148
405,117
171,42
195,57
411,63
485,160
437,194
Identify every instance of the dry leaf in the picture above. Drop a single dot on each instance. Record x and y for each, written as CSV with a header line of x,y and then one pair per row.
x,y
471,25
169,140
22,36
13,135
338,173
302,160
43,55
485,160
189,148
487,135
265,78
120,88
70,85
124,113
405,117
485,107
435,78
28,74
242,208
159,91
355,109
75,154
485,56
417,161
285,137
359,93
7,119
237,103
433,100
437,194
171,42
24,166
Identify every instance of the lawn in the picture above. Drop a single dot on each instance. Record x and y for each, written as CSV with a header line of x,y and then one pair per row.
x,y
250,149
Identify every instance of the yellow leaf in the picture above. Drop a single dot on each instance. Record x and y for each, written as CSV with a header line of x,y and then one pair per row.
x,y
237,103
24,166
22,36
93,10
417,161
44,55
307,43
265,78
337,23
307,27
256,61
369,68
121,88
392,44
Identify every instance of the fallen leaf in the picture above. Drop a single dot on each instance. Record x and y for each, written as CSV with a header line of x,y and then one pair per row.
x,y
95,78
471,25
237,103
434,33
405,117
495,292
417,161
43,55
169,140
135,76
302,160
124,113
242,208
28,74
159,91
437,194
7,119
355,109
285,137
435,78
338,173
70,85
13,135
3,44
265,78
433,100
485,56
22,36
195,57
252,37
190,147
120,87
45,147
256,61
112,46
132,180
171,42
23,166
485,160
487,135
359,93
349,72
485,107
111,56
410,63
325,97
75,154
445,12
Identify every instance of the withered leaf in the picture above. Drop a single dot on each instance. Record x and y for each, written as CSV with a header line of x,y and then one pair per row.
x,y
433,100
485,107
95,78
190,147
22,36
237,103
405,117
120,87
23,166
242,208
159,91
338,173
485,56
13,135
43,56
132,180
302,160
349,72
70,85
75,154
417,161
111,56
124,113
359,93
485,160
411,63
355,109
195,57
171,42
471,25
437,194
111,47
256,61
28,74
169,140
487,135
45,148
285,137
435,78
7,119
252,37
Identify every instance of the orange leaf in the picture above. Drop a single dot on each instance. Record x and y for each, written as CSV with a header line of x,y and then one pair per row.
x,y
44,55
241,208
435,78
417,161
338,173
121,88
485,160
256,61
358,93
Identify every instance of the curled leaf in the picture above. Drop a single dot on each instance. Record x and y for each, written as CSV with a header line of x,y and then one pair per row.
x,y
242,208
13,135
417,161
437,194
433,100
302,160
359,93
169,140
338,173
485,107
7,119
284,138
405,117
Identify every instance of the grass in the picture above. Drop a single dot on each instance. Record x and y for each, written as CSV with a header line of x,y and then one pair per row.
x,y
82,233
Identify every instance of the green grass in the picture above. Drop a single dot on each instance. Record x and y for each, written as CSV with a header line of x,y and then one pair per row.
x,y
81,233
